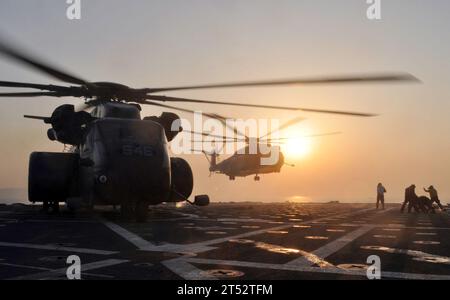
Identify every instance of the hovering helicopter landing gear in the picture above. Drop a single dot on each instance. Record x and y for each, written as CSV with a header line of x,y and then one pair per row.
x,y
257,178
232,178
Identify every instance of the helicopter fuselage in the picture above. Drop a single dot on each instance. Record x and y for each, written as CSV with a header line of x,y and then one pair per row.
x,y
122,159
245,164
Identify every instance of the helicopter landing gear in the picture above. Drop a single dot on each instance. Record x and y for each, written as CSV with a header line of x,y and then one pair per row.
x,y
257,178
45,207
55,207
232,178
141,211
52,207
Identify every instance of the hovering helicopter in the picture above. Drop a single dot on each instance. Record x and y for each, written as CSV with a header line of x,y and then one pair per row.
x,y
117,157
246,162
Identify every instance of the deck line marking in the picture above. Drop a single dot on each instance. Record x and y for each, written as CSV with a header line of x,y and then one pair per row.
x,y
60,221
308,269
25,267
58,248
261,231
332,247
336,245
187,271
49,269
244,220
145,245
59,272
392,226
129,236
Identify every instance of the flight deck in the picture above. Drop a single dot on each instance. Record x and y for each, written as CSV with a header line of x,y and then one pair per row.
x,y
226,241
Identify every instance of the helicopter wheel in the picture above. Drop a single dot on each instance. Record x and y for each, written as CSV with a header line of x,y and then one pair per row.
x,y
55,207
232,178
141,211
257,178
45,207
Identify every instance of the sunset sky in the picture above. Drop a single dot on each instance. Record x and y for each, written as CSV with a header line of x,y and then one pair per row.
x,y
148,43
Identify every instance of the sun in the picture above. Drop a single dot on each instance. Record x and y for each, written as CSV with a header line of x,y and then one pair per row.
x,y
298,147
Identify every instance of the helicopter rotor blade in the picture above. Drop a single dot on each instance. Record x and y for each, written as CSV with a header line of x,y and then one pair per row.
x,y
216,141
364,78
220,118
284,126
303,136
205,134
186,100
15,54
30,94
43,87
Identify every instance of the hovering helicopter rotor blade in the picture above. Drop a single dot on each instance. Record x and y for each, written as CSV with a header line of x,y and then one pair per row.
x,y
303,136
30,94
284,126
199,133
207,134
219,140
365,78
186,100
14,53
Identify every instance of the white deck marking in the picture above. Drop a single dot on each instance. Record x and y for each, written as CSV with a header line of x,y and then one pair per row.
x,y
397,227
9,221
61,221
204,246
417,255
307,269
182,267
58,248
336,245
62,272
129,236
332,247
235,220
186,270
49,269
277,228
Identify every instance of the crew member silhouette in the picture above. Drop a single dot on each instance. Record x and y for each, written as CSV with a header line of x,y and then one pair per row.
x,y
380,195
411,199
434,196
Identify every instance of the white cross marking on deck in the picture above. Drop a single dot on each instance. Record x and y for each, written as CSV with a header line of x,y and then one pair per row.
x,y
333,247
